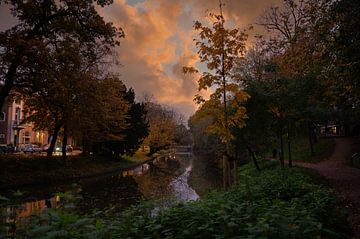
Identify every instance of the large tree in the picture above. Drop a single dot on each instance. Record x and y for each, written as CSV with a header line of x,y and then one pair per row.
x,y
104,118
137,127
42,25
295,84
162,126
218,48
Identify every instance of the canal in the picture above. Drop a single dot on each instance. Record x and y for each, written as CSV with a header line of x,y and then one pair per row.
x,y
180,177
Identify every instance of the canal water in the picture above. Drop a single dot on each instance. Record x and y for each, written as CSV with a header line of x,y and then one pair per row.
x,y
178,178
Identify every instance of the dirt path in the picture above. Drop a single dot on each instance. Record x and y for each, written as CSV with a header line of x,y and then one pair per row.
x,y
343,178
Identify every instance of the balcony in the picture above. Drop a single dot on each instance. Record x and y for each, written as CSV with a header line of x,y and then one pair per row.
x,y
17,125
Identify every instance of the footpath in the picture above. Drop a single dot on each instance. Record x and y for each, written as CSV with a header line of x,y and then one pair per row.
x,y
343,178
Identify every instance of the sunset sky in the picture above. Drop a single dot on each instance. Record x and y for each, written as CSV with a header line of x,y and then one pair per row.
x,y
159,42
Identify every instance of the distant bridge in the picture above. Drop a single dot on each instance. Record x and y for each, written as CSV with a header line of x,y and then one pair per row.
x,y
183,149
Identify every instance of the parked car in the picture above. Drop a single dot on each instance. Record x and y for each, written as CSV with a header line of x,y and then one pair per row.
x,y
45,148
77,148
6,148
32,148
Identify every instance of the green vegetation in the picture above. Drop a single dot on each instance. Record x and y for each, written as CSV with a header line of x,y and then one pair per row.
x,y
264,205
300,150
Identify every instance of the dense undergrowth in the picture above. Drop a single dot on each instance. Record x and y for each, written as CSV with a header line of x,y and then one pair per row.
x,y
264,205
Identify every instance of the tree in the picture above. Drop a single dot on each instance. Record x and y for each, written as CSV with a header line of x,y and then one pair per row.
x,y
52,101
105,118
43,24
342,57
163,124
182,135
94,110
137,127
204,141
219,47
294,84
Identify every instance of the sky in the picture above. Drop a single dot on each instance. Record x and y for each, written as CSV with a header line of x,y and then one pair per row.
x,y
159,42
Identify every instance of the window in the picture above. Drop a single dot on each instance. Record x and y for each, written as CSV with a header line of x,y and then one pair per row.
x,y
2,136
26,137
17,115
2,116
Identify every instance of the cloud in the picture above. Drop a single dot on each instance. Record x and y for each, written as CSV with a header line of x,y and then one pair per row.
x,y
6,19
159,42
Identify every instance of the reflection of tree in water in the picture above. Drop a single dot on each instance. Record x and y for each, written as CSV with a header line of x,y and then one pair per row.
x,y
154,183
13,214
205,174
117,191
128,187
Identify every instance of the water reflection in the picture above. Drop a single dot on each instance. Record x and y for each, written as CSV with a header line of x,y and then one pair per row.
x,y
181,187
12,214
165,178
15,212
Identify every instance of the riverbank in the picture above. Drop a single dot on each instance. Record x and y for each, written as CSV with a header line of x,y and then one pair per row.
x,y
264,205
19,171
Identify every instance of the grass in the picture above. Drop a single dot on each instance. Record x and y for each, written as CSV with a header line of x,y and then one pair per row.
x,y
139,156
300,149
19,170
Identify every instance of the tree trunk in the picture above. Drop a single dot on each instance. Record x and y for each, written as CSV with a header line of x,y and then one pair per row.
x,y
289,146
281,154
53,140
313,131
9,81
326,127
347,130
229,173
235,172
311,139
64,143
4,92
252,155
225,171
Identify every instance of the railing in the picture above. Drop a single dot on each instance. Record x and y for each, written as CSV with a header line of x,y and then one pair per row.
x,y
17,124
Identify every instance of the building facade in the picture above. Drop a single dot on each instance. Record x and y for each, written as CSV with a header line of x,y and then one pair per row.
x,y
16,133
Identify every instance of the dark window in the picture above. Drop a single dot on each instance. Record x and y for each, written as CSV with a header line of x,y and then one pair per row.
x,y
17,115
2,116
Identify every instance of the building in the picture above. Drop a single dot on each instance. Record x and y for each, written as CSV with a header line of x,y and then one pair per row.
x,y
16,133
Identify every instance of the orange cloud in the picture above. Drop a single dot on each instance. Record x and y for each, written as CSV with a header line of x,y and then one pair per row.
x,y
159,42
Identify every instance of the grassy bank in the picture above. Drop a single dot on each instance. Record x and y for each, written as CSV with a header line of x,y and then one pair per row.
x,y
20,170
264,205
300,149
